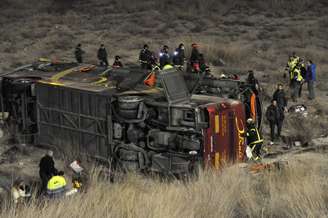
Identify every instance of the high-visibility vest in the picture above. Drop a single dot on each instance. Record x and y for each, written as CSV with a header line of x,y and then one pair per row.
x,y
296,75
56,182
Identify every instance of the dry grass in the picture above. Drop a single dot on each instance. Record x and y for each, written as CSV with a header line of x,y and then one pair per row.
x,y
296,191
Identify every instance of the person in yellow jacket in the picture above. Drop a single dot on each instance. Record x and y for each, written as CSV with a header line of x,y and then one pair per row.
x,y
56,186
296,82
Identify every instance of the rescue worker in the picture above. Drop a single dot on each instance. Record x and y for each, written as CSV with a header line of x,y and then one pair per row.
x,y
296,81
102,55
292,63
280,97
20,191
303,73
179,56
164,57
275,116
311,78
79,53
254,139
194,58
56,186
47,169
145,58
151,79
253,82
117,62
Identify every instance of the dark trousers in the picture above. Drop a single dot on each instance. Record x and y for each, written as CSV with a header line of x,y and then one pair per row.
x,y
300,90
44,180
295,86
103,62
79,59
273,127
257,149
311,89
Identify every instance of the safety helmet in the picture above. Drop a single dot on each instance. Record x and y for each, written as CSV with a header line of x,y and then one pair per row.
x,y
250,121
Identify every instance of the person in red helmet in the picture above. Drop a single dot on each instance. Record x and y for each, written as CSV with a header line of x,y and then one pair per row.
x,y
194,58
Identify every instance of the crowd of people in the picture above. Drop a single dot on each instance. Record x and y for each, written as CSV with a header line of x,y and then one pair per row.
x,y
148,59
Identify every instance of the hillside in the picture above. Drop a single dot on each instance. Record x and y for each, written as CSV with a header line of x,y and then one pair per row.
x,y
246,34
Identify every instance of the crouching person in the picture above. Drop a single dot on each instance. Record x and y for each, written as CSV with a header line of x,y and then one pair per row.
x,y
56,187
20,191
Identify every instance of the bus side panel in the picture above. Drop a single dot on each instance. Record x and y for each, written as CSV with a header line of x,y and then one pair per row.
x,y
72,120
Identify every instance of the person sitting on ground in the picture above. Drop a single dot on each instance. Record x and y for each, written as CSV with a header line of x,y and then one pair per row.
x,y
47,169
20,191
117,63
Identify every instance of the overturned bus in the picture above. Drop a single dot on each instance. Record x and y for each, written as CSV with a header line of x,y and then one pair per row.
x,y
110,115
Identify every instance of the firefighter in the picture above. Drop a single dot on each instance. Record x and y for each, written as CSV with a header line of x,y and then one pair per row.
x,y
47,169
56,186
296,81
164,57
179,56
194,58
102,56
275,116
303,74
145,58
79,53
254,139
292,63
117,63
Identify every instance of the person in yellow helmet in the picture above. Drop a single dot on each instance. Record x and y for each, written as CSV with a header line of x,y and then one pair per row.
x,y
56,186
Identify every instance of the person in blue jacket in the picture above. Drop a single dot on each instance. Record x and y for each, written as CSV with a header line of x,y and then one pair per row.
x,y
311,78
